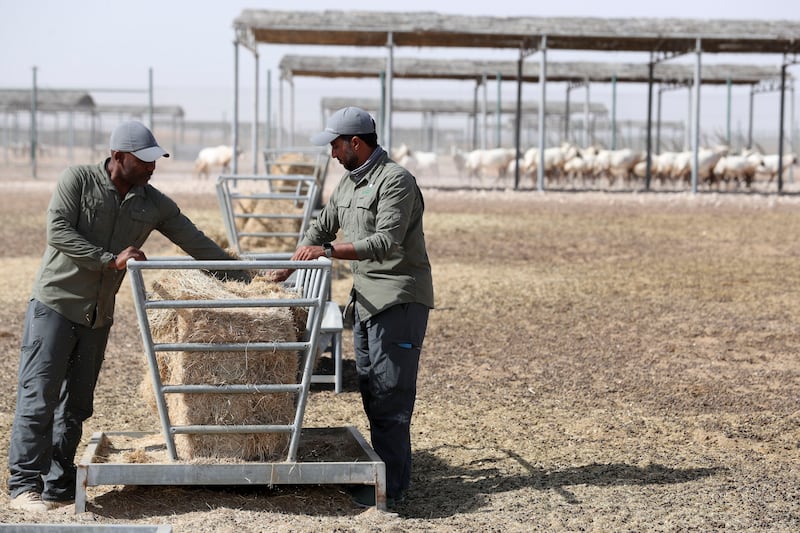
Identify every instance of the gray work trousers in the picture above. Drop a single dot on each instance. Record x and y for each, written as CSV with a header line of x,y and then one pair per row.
x,y
387,350
58,368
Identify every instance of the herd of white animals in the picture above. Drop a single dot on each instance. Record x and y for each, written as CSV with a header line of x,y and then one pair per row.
x,y
570,165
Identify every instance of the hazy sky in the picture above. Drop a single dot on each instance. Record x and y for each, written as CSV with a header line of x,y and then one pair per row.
x,y
112,44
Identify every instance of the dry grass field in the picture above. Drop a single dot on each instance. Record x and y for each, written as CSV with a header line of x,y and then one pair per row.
x,y
596,362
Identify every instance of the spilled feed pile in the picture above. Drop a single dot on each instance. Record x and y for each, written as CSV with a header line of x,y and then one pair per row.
x,y
222,326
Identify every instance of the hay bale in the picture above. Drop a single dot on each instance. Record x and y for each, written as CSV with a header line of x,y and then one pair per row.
x,y
274,324
294,163
269,225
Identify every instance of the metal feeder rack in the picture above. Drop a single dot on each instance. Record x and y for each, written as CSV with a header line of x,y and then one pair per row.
x,y
232,191
311,280
314,161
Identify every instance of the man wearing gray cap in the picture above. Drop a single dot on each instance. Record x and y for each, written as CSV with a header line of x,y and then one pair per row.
x,y
99,216
378,207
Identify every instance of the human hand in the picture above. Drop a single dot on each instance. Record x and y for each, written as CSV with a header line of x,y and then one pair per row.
x,y
278,275
130,252
308,253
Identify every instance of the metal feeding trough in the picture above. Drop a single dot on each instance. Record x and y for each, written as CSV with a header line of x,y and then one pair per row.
x,y
313,455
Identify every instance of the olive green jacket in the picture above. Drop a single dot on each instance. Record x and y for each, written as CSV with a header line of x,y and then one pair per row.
x,y
381,214
87,224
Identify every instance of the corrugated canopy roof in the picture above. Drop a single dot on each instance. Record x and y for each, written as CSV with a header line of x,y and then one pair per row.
x,y
47,100
429,29
414,105
363,67
174,111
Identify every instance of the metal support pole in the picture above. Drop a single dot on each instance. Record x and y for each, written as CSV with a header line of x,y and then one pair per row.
x,y
291,141
696,118
658,120
484,114
649,143
614,112
268,116
280,114
235,129
498,114
542,105
150,120
780,130
71,137
586,136
34,132
382,111
518,119
728,115
792,128
389,91
254,129
750,119
567,112
475,116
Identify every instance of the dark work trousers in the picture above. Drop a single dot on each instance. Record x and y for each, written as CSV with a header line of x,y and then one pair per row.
x,y
58,368
387,350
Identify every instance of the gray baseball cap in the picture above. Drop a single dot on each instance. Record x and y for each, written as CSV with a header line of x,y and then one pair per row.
x,y
346,121
134,137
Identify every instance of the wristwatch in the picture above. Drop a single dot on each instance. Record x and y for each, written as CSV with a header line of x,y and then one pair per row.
x,y
328,249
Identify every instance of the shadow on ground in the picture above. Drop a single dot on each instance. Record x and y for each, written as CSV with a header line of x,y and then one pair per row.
x,y
437,482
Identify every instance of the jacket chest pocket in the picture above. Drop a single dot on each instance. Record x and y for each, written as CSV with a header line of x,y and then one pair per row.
x,y
96,218
357,214
365,211
142,221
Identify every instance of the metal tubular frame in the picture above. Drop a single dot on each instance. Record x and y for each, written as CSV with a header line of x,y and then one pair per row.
x,y
312,281
229,188
319,161
304,191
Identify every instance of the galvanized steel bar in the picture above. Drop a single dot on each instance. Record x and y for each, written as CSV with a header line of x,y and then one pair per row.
x,y
139,300
232,389
215,429
367,469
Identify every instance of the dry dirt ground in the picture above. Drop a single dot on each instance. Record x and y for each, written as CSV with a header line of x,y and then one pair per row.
x,y
596,362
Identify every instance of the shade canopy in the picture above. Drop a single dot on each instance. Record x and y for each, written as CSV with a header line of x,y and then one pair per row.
x,y
428,29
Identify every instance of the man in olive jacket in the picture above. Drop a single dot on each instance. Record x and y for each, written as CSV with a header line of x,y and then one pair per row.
x,y
98,218
378,207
